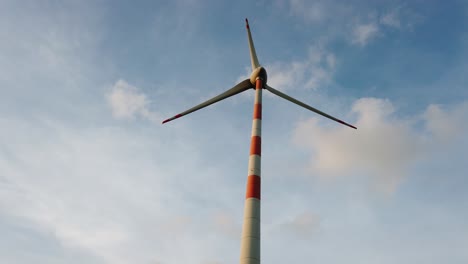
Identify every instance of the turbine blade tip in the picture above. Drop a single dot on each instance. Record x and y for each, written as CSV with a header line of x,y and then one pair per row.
x,y
346,124
246,22
172,118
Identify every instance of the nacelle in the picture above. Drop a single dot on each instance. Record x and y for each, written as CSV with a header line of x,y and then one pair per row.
x,y
259,72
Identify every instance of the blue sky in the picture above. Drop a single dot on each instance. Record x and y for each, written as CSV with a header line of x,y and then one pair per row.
x,y
89,175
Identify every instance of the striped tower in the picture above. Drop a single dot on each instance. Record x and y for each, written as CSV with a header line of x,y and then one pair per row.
x,y
250,241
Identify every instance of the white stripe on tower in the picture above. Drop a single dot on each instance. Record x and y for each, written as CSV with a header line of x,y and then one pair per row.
x,y
250,241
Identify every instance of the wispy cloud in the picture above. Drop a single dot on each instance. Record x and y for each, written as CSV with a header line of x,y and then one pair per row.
x,y
316,71
391,19
363,33
128,102
399,18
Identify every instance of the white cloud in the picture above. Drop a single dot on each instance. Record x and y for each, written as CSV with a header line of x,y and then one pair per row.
x,y
127,102
401,18
311,73
384,146
363,33
391,19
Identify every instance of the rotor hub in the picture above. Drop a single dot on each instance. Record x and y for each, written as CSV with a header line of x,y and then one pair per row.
x,y
259,72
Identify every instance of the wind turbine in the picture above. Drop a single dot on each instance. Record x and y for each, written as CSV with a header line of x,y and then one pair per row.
x,y
250,240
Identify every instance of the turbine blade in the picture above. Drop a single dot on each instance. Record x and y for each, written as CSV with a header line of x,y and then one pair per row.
x,y
240,87
289,98
253,54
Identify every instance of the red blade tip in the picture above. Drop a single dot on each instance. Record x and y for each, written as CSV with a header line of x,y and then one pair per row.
x,y
172,118
247,23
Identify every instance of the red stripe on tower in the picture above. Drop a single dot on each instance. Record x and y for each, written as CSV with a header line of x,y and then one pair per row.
x,y
256,146
253,187
257,114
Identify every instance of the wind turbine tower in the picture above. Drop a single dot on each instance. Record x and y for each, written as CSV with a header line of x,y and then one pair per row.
x,y
250,240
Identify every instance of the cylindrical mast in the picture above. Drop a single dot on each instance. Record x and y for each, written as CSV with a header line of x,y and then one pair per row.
x,y
250,241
